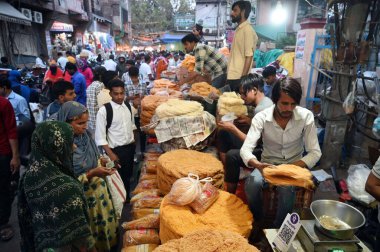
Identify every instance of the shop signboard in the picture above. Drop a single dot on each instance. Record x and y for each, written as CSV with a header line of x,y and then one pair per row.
x,y
61,27
300,45
184,22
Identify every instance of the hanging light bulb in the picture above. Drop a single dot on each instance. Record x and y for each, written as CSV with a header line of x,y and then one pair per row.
x,y
279,14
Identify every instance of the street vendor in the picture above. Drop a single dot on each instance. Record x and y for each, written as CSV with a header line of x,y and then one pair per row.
x,y
231,138
208,62
372,186
287,131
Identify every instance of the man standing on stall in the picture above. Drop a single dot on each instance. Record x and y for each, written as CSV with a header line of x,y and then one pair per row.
x,y
243,46
287,131
208,62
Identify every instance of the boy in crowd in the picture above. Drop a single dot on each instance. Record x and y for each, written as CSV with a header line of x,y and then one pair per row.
x,y
63,91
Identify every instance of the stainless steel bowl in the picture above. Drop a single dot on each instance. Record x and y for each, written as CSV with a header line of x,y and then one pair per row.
x,y
350,215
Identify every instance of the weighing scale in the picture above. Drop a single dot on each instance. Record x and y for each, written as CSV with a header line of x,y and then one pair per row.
x,y
313,240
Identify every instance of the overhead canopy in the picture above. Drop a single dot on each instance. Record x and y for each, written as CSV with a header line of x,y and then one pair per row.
x,y
101,19
270,32
171,38
9,14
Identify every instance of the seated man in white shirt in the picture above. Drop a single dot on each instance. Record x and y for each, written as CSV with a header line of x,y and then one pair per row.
x,y
231,138
114,131
286,130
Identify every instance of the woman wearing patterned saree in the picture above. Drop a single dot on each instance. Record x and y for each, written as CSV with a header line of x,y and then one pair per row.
x,y
103,219
52,208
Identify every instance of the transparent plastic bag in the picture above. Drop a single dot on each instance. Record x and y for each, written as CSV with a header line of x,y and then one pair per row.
x,y
357,177
184,190
205,199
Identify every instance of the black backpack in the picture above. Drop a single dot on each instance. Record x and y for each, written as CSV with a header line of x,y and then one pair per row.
x,y
109,111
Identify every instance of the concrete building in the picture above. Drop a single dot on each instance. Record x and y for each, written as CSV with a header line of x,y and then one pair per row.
x,y
30,28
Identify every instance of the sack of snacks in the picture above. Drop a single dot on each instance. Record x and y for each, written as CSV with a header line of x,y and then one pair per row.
x,y
148,202
149,221
140,248
206,198
185,190
138,213
141,236
145,185
147,193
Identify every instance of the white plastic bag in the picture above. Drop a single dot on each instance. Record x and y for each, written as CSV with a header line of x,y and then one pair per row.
x,y
357,177
118,192
185,190
349,102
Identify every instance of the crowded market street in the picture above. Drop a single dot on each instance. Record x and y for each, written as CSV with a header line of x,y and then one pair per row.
x,y
189,125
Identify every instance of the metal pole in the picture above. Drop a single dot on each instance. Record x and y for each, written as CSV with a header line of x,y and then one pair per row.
x,y
218,21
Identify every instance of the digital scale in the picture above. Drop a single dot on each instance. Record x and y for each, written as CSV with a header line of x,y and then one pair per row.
x,y
313,240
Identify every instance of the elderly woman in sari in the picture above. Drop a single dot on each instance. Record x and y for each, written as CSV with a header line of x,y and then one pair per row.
x,y
103,219
52,208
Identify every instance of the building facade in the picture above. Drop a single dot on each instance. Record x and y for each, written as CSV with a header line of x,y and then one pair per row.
x,y
35,27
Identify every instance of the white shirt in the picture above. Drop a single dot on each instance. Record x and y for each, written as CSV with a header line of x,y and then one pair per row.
x,y
40,62
110,65
145,70
283,146
173,63
121,130
62,62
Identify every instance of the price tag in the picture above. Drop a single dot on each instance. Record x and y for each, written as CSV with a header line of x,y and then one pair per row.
x,y
287,232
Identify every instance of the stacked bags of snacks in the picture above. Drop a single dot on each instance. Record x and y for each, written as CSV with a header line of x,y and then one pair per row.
x,y
142,231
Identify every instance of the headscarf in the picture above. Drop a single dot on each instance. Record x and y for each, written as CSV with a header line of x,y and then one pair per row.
x,y
82,64
52,208
86,153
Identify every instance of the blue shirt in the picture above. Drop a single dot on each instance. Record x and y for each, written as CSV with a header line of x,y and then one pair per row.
x,y
51,109
79,83
268,90
20,106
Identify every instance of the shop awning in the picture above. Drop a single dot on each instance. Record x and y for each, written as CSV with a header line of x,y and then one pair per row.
x,y
9,14
270,32
171,38
101,19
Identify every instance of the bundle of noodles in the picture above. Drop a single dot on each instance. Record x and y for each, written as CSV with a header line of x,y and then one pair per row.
x,y
179,163
189,63
166,92
203,89
175,107
231,102
165,83
208,240
289,175
148,107
228,213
